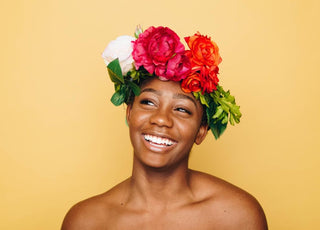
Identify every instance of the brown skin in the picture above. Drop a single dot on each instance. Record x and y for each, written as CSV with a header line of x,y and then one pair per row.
x,y
162,192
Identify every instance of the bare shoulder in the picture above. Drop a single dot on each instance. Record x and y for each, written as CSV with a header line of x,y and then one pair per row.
x,y
95,212
232,207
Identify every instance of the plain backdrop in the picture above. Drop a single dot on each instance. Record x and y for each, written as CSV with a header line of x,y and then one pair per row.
x,y
61,140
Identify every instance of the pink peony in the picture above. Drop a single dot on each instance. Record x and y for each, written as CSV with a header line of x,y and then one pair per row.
x,y
178,67
159,51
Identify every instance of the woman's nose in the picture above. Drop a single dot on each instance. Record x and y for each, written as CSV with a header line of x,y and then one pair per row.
x,y
162,117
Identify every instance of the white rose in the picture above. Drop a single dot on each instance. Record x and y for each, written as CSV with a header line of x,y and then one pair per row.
x,y
120,48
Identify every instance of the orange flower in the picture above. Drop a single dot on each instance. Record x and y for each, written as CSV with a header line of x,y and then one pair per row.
x,y
192,83
204,52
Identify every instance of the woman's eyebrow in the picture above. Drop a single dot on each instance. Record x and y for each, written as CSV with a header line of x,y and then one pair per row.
x,y
151,90
183,96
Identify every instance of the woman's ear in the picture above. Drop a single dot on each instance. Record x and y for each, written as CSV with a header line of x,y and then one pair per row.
x,y
202,133
128,112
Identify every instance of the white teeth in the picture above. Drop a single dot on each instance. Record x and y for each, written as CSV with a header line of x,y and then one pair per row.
x,y
158,140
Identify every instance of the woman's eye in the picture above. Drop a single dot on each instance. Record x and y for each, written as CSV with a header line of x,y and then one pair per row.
x,y
146,102
183,110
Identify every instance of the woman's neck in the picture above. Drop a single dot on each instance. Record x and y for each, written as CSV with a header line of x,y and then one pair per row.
x,y
160,188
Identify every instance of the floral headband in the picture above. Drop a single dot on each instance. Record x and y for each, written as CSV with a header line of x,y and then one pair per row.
x,y
158,52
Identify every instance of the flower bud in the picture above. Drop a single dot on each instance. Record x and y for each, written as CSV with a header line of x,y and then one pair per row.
x,y
138,31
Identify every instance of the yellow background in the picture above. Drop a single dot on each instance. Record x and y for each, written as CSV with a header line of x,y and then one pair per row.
x,y
61,140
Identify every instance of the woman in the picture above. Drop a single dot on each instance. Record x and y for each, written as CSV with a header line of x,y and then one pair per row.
x,y
173,98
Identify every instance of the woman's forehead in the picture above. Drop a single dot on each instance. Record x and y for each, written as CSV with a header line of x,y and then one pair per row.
x,y
161,85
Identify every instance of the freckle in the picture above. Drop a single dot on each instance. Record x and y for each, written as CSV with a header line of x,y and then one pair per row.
x,y
121,204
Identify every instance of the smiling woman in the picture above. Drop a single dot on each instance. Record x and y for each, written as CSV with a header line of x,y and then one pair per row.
x,y
164,123
173,99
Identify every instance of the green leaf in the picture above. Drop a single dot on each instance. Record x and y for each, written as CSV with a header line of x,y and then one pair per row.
x,y
196,95
218,129
228,103
231,119
225,119
222,128
117,87
219,111
203,99
118,98
224,104
215,132
115,72
135,88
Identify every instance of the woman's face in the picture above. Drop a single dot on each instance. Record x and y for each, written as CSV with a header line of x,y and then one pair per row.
x,y
164,122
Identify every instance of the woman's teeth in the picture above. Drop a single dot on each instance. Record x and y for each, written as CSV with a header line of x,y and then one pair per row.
x,y
158,140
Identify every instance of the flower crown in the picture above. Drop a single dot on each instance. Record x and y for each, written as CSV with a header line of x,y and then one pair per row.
x,y
158,51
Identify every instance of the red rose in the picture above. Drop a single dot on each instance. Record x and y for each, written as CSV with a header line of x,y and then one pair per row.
x,y
192,83
209,81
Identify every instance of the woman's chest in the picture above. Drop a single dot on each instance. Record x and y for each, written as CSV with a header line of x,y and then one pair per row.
x,y
186,219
